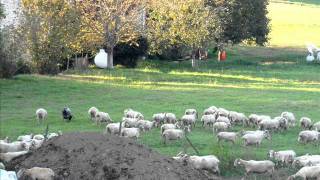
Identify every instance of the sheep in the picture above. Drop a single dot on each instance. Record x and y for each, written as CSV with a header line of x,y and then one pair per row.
x,y
170,118
307,172
113,128
2,166
35,144
308,136
189,119
129,113
191,111
38,137
174,134
306,123
208,162
227,136
52,135
41,115
92,113
223,119
256,166
285,157
66,114
5,140
145,125
255,119
130,122
272,124
316,126
36,173
208,119
168,126
222,112
8,156
255,138
290,117
306,160
13,147
220,126
236,117
130,132
25,138
210,111
102,117
159,118
254,132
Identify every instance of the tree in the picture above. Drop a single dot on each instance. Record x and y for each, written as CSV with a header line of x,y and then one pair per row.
x,y
239,20
51,27
114,20
180,22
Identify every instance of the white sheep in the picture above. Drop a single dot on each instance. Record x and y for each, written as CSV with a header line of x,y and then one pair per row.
x,y
189,119
256,166
254,132
306,160
8,156
223,112
273,124
35,144
220,126
130,122
255,138
168,126
5,140
41,115
145,125
305,123
38,137
174,134
307,172
285,157
223,119
191,111
25,137
36,173
129,113
13,147
316,126
308,136
113,128
102,117
209,162
227,136
255,119
237,118
211,110
290,117
93,112
170,118
208,119
159,118
52,135
130,132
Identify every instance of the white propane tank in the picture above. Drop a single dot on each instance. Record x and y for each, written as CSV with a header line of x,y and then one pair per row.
x,y
101,59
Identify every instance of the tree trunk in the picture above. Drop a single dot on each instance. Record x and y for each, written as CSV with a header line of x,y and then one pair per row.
x,y
194,60
110,58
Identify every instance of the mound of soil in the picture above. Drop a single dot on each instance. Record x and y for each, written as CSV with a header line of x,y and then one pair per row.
x,y
95,156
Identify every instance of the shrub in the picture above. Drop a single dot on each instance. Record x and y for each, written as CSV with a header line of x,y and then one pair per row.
x,y
127,54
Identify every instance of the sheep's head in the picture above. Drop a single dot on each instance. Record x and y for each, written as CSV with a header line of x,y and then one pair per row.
x,y
236,162
271,154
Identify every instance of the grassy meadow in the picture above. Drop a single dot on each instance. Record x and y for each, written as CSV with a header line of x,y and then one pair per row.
x,y
261,80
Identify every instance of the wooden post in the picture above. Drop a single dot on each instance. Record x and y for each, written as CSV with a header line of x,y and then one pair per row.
x,y
46,132
120,129
188,140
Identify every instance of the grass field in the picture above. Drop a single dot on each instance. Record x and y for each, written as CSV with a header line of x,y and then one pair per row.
x,y
257,80
294,22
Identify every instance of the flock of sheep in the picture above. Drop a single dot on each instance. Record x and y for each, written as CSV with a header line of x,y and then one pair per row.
x,y
172,128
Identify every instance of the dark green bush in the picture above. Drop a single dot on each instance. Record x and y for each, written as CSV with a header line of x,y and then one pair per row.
x,y
127,54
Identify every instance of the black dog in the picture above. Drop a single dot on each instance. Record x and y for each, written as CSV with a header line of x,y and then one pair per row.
x,y
66,114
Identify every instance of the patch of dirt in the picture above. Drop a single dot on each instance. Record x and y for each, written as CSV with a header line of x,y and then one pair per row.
x,y
92,155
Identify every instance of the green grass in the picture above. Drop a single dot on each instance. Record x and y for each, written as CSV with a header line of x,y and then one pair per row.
x,y
294,22
252,80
